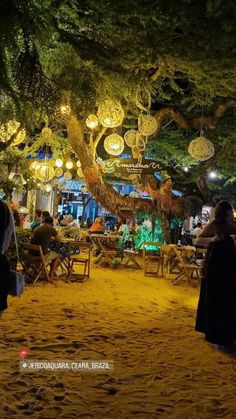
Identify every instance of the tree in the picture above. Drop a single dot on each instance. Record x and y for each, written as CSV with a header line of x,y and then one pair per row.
x,y
176,59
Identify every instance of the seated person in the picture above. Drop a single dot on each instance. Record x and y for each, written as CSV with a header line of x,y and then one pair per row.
x,y
37,219
196,232
45,214
42,236
67,219
98,226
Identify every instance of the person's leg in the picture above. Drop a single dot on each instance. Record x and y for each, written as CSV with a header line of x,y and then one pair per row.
x,y
53,267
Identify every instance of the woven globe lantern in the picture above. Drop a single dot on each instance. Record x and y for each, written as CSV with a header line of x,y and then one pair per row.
x,y
59,163
130,137
114,144
141,142
92,121
78,164
201,149
67,176
58,172
110,113
45,172
46,133
147,125
79,173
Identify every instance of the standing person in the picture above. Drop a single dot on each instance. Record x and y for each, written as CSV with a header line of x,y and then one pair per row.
x,y
123,233
42,236
6,230
216,314
37,219
222,223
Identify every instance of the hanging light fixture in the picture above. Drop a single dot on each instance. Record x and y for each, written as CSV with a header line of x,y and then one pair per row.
x,y
130,137
69,164
110,113
48,188
92,121
67,176
201,148
147,125
45,172
114,144
79,173
59,163
58,172
78,164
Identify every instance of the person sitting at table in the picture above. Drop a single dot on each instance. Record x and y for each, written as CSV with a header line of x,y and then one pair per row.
x,y
196,232
42,236
37,219
67,219
222,223
98,226
45,214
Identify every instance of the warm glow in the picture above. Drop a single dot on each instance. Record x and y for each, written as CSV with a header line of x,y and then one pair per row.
x,y
59,162
65,109
69,164
92,121
78,164
48,188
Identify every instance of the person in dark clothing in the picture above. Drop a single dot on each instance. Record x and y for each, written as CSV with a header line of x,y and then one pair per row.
x,y
6,229
216,314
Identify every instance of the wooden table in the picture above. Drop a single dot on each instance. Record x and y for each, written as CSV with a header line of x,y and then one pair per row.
x,y
108,246
130,257
170,257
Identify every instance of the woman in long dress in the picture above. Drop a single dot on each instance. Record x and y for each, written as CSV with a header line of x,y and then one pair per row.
x,y
6,229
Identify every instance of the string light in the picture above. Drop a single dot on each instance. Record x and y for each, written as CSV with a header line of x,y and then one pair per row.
x,y
212,175
69,164
59,162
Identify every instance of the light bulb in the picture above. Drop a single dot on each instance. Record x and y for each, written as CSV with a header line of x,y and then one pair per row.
x,y
186,169
213,175
48,188
59,162
92,121
69,164
78,164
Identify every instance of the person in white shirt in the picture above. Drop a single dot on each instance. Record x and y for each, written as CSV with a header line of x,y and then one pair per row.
x,y
196,232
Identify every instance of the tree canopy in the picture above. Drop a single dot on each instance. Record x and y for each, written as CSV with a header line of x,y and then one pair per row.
x,y
175,59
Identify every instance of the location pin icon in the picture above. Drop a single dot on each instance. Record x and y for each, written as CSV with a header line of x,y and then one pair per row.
x,y
23,354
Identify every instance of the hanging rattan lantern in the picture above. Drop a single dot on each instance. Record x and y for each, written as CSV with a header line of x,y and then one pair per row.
x,y
58,172
69,164
110,113
59,163
92,121
130,137
147,125
201,148
34,166
78,164
79,173
114,144
141,142
67,176
45,172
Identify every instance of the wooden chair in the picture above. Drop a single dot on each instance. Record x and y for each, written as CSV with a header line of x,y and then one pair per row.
x,y
153,258
36,261
187,270
82,258
107,255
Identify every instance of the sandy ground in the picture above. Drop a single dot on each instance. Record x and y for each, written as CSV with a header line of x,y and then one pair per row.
x,y
162,368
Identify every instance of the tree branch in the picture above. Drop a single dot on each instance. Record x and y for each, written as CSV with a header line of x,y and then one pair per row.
x,y
4,146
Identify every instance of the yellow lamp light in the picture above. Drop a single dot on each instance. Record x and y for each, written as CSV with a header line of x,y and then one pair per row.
x,y
92,121
69,164
59,162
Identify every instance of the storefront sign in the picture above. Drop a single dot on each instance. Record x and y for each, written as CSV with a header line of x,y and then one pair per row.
x,y
131,166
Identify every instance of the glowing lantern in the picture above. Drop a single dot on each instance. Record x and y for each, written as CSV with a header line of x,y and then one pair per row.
x,y
46,133
114,144
34,165
201,149
48,188
45,172
67,176
58,172
79,173
69,164
59,162
130,137
78,164
147,125
92,121
110,113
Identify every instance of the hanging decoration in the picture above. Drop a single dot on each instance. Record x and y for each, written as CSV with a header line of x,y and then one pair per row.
x,y
48,188
8,129
69,164
110,113
67,176
147,125
130,137
44,172
34,166
58,172
79,173
114,144
141,142
92,121
78,164
59,163
201,148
